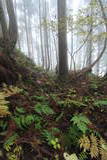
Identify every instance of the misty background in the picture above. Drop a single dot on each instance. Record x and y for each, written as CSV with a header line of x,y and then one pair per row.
x,y
38,35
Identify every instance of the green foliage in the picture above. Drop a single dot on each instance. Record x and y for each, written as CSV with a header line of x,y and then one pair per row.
x,y
15,153
3,125
83,156
71,137
39,98
49,136
23,60
59,117
10,142
81,122
7,91
55,143
100,103
24,121
38,122
71,103
43,109
19,111
93,86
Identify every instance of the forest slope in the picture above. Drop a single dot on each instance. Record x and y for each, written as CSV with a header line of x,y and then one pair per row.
x,y
45,119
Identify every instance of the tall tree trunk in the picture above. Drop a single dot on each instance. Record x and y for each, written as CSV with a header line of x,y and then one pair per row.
x,y
3,23
46,38
15,8
26,29
41,37
13,30
62,38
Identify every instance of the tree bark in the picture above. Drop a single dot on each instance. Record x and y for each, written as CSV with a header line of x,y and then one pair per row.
x,y
62,38
13,31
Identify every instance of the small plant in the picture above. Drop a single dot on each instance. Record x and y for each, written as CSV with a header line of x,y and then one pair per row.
x,y
24,121
94,145
70,157
7,91
71,103
100,103
19,111
15,154
3,125
71,137
55,143
81,122
10,142
39,98
43,109
83,155
51,139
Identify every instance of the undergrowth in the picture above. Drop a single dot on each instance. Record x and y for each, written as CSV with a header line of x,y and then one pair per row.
x,y
53,120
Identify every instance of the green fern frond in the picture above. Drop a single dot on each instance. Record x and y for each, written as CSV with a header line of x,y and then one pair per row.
x,y
83,156
43,109
100,103
10,141
23,121
81,121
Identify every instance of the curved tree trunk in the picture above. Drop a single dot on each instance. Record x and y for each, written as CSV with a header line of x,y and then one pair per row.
x,y
3,22
88,69
13,32
8,66
9,39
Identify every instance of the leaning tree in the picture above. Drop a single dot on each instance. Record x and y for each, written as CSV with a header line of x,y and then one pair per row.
x,y
9,32
8,40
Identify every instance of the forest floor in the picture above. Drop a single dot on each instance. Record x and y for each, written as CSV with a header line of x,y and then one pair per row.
x,y
42,118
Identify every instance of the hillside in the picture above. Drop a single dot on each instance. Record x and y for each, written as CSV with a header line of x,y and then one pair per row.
x,y
42,118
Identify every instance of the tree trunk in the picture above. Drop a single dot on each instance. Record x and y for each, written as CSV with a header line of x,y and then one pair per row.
x,y
41,37
13,31
62,38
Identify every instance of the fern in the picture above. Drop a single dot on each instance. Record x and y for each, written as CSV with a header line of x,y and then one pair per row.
x,y
6,92
20,110
38,122
103,149
24,121
43,109
71,138
3,105
96,147
83,156
85,143
39,98
81,121
71,103
100,103
15,154
10,141
94,151
3,125
10,90
49,136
